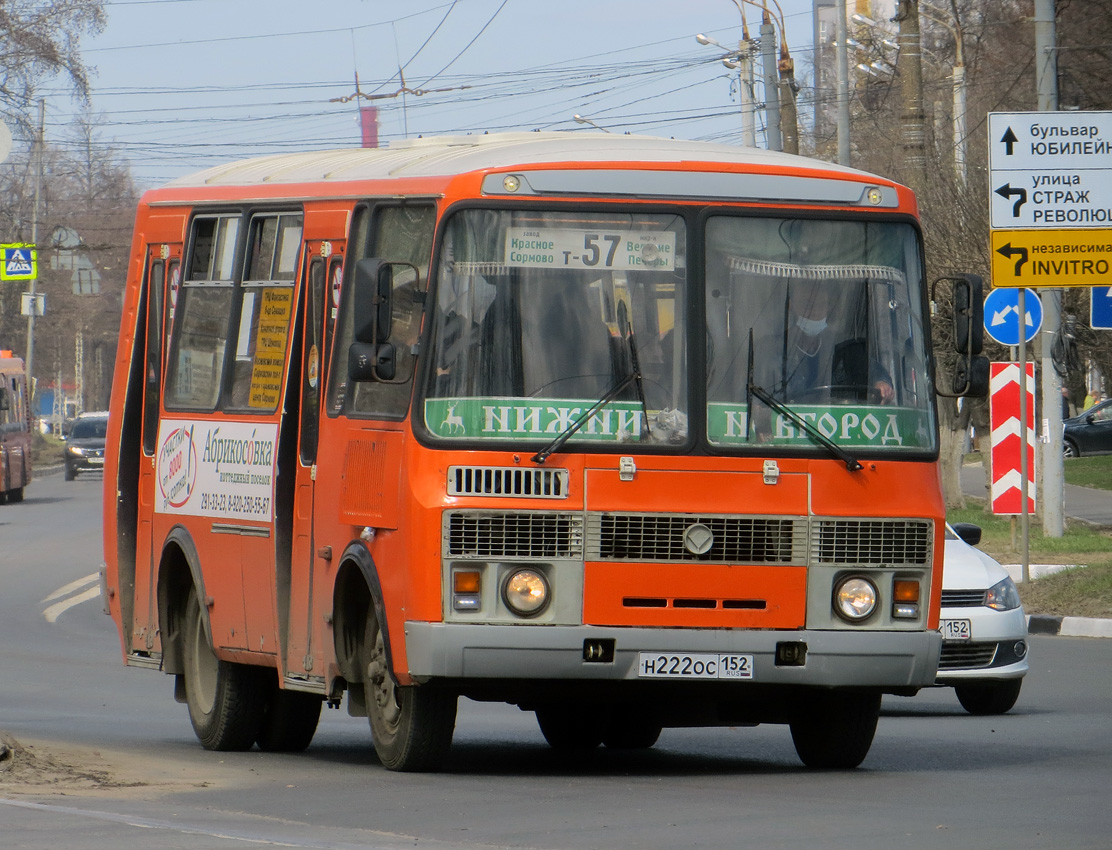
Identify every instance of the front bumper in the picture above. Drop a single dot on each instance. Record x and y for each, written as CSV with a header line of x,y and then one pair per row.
x,y
991,652
897,660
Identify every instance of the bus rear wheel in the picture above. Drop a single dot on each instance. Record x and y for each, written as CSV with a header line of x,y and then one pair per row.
x,y
225,700
835,730
411,726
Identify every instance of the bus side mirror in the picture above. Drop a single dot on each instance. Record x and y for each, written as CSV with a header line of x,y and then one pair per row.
x,y
971,374
373,310
370,362
969,314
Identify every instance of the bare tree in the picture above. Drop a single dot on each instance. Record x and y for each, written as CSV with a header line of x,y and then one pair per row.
x,y
40,41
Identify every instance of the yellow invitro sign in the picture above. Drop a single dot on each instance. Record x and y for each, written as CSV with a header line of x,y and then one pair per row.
x,y
18,262
1052,257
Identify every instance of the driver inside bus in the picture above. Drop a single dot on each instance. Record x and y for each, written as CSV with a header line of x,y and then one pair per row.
x,y
821,359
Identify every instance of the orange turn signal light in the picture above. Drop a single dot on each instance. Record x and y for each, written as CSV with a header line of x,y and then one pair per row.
x,y
905,590
465,581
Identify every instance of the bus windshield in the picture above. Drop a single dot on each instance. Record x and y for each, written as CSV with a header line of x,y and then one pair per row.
x,y
543,314
832,313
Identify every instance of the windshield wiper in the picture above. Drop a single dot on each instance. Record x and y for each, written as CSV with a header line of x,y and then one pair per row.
x,y
753,389
581,420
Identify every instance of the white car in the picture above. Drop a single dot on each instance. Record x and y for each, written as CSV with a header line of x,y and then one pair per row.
x,y
984,628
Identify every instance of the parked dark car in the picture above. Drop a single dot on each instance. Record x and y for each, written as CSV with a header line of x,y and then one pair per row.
x,y
85,444
1090,432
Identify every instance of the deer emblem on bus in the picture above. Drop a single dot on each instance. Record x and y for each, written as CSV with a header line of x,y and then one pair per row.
x,y
452,421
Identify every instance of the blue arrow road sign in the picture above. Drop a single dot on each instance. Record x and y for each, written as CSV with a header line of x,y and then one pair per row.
x,y
1100,308
1002,315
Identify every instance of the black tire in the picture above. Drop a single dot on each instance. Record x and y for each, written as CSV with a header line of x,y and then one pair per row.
x,y
989,697
70,473
626,731
411,726
835,730
15,495
226,701
567,726
289,721
1069,449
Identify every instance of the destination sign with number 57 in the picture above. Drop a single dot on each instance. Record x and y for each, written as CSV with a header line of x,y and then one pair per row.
x,y
558,248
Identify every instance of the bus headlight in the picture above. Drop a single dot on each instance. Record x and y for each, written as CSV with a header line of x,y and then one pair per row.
x,y
854,598
525,592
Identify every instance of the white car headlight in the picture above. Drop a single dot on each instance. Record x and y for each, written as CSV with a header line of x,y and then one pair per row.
x,y
1003,596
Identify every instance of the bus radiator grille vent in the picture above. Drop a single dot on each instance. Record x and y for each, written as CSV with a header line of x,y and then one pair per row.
x,y
962,656
661,537
508,481
872,542
364,478
526,535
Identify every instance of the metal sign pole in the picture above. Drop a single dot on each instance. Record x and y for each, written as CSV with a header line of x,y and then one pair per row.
x,y
1025,526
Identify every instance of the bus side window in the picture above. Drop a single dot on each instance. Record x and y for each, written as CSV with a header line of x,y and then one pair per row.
x,y
155,288
265,311
202,313
397,235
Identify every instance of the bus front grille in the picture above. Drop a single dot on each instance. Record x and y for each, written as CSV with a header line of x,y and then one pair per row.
x,y
664,537
526,535
872,541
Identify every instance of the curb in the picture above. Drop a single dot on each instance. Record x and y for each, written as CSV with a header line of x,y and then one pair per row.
x,y
1043,624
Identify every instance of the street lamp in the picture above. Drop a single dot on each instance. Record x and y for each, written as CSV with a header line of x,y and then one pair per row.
x,y
786,85
579,119
740,60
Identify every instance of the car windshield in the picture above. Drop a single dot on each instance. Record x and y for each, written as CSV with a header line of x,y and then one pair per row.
x,y
540,315
84,429
832,313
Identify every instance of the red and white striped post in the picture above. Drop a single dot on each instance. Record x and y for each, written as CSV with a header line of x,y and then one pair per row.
x,y
1008,440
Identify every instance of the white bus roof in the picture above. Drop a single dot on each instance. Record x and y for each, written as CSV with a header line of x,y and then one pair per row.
x,y
445,156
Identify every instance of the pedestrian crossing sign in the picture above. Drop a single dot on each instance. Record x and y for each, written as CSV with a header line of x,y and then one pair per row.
x,y
18,262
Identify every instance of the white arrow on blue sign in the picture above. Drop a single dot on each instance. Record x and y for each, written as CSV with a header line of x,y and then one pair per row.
x,y
1002,315
1100,308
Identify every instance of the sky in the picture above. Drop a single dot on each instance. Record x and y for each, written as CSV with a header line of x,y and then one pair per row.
x,y
181,85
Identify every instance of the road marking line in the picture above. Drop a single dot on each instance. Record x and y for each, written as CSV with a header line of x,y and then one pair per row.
x,y
72,586
57,609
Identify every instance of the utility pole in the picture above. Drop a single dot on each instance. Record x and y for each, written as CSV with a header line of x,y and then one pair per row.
x,y
841,34
1053,495
35,243
912,120
771,84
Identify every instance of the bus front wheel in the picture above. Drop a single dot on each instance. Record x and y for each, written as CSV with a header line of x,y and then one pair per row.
x,y
411,726
835,730
225,700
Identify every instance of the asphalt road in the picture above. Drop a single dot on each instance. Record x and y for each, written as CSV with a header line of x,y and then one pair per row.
x,y
116,764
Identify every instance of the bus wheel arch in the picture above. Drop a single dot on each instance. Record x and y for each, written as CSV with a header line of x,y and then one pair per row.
x,y
356,590
412,726
179,571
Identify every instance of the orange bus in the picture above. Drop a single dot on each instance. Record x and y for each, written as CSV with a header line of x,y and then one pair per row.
x,y
631,433
15,428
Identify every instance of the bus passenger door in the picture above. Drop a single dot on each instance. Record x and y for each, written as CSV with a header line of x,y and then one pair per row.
x,y
325,269
163,267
